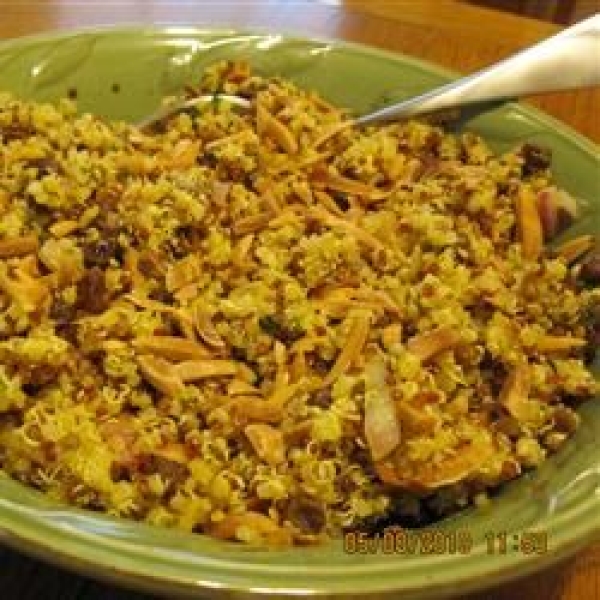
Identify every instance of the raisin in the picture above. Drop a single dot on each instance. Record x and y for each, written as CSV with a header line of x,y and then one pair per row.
x,y
174,473
320,365
321,398
238,353
249,180
100,253
149,265
210,159
535,159
341,200
61,312
120,472
45,166
307,514
276,328
39,376
590,269
92,294
15,131
269,325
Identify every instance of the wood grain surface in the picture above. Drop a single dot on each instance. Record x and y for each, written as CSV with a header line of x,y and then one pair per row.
x,y
454,34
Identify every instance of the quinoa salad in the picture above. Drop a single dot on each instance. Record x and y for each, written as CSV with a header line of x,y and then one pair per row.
x,y
270,326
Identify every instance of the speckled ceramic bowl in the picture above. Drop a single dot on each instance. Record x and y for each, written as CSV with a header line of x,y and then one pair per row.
x,y
535,521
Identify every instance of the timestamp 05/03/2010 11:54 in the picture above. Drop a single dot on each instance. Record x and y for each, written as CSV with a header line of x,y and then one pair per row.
x,y
397,540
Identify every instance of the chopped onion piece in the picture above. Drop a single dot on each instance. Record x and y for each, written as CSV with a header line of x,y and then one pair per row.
x,y
382,430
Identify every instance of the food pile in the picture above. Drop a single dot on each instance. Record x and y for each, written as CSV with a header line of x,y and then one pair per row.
x,y
270,326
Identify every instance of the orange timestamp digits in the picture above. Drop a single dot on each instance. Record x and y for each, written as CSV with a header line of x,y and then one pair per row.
x,y
526,542
396,540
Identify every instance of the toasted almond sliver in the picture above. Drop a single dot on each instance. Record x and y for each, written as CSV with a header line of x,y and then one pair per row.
x,y
296,164
329,203
183,319
514,395
331,132
183,155
90,213
337,308
281,356
339,183
573,249
245,373
386,471
267,442
113,345
131,265
242,249
238,387
250,409
375,296
171,347
299,367
251,224
173,451
192,370
271,200
529,224
234,138
361,234
19,246
186,293
184,272
416,421
4,198
27,266
426,345
357,336
269,125
282,394
452,469
138,164
160,373
185,325
559,343
119,433
207,331
289,216
64,228
308,343
220,193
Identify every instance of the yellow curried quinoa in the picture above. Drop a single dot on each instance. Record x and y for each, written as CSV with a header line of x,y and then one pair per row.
x,y
270,326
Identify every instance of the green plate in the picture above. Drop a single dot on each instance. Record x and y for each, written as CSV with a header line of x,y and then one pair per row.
x,y
544,517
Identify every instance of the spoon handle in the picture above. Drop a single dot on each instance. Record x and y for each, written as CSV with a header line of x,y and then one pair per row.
x,y
567,60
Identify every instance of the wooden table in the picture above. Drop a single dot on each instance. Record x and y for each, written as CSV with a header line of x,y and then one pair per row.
x,y
450,33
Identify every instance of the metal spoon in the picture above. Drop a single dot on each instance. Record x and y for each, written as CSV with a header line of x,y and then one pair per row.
x,y
570,59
